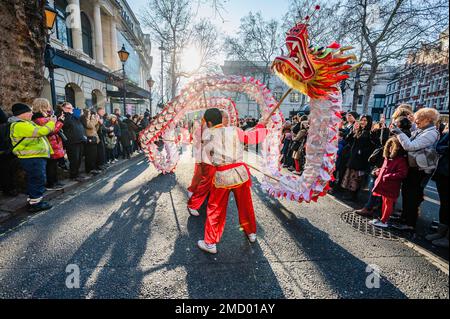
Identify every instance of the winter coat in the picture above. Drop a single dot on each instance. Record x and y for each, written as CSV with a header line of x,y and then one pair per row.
x,y
91,127
125,136
300,137
361,147
73,129
390,176
54,139
420,140
133,128
34,142
442,150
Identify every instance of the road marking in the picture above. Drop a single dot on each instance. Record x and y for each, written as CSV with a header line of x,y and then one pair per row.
x,y
428,199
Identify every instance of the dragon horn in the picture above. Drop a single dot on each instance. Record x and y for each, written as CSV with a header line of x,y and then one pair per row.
x,y
348,57
355,66
346,48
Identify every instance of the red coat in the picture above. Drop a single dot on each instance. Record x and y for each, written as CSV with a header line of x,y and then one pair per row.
x,y
389,180
53,138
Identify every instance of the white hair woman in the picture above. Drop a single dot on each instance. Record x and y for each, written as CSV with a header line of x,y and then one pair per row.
x,y
422,159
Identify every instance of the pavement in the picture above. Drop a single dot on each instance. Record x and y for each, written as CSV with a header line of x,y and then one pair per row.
x,y
130,235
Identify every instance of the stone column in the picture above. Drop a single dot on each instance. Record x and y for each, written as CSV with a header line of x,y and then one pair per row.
x,y
114,48
74,23
98,33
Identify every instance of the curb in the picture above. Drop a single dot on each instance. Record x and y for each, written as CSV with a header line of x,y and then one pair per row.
x,y
7,213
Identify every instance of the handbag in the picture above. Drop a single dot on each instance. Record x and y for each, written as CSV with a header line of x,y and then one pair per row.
x,y
377,157
295,146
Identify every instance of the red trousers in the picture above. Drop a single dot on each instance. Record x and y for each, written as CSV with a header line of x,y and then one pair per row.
x,y
387,208
297,165
216,213
201,184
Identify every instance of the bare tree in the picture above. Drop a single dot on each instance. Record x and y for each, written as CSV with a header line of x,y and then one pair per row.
x,y
172,23
205,40
324,25
391,29
256,44
169,21
22,45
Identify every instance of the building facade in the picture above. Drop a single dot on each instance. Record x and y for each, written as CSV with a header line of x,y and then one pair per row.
x,y
294,103
87,71
423,80
377,97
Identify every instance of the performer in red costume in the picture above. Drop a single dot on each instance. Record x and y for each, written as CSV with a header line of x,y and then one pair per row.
x,y
224,146
203,171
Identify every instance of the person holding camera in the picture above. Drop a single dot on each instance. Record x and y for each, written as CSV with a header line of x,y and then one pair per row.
x,y
76,137
90,121
422,159
42,114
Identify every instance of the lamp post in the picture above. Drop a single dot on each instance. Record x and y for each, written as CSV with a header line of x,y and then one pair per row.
x,y
123,56
150,83
161,48
50,18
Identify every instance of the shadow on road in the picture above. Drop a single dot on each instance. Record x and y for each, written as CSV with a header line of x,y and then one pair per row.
x,y
344,273
118,245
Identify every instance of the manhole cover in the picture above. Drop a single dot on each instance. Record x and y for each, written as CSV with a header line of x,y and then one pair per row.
x,y
362,224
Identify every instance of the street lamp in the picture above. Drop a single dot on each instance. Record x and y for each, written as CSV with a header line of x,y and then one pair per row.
x,y
123,56
150,83
50,18
162,49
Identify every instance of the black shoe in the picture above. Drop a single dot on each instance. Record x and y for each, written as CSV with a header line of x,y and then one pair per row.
x,y
39,207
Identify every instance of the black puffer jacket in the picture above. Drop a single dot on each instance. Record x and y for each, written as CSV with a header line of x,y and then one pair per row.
x,y
360,151
74,129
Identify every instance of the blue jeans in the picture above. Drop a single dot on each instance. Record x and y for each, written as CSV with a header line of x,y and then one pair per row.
x,y
35,168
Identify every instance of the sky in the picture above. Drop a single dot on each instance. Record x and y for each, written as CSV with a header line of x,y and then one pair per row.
x,y
234,11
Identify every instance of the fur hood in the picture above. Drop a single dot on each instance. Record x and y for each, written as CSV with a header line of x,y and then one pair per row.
x,y
393,148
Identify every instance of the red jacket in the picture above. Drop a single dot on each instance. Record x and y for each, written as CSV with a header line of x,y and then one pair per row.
x,y
389,180
53,138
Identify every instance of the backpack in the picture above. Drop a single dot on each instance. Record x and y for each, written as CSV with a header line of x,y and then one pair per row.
x,y
6,146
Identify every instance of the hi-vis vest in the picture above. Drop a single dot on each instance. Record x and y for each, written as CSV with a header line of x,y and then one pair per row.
x,y
34,143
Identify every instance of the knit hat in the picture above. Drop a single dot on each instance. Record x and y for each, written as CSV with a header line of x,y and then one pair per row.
x,y
20,108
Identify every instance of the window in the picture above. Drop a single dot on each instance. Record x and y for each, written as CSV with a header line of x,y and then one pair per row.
x,y
63,33
379,100
86,34
278,95
94,99
295,97
70,95
360,99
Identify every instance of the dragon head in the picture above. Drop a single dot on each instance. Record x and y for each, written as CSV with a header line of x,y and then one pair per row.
x,y
312,71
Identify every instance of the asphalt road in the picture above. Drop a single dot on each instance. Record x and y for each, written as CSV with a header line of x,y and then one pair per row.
x,y
131,236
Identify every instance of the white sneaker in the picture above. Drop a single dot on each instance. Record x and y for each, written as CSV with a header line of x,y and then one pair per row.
x,y
193,212
209,248
251,237
378,223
